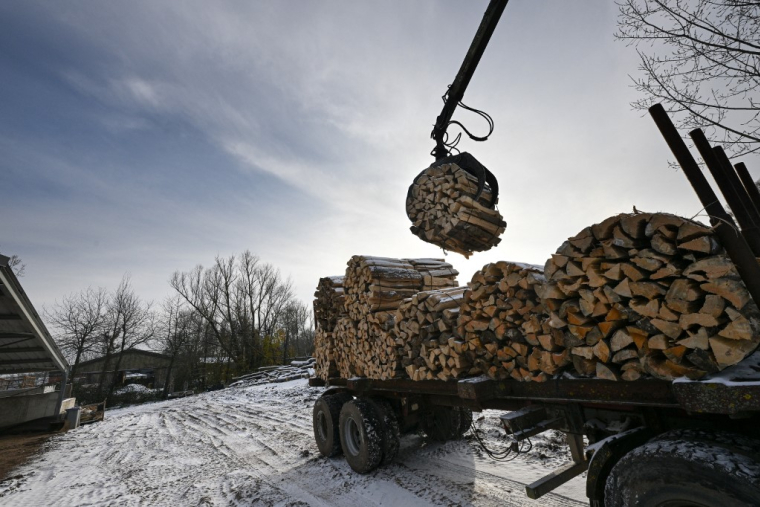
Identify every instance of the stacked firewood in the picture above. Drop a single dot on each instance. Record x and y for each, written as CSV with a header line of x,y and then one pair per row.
x,y
345,342
324,352
328,308
329,302
375,287
648,294
425,336
442,206
505,324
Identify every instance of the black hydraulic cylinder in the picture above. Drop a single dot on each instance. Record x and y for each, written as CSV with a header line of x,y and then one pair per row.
x,y
743,214
749,185
725,229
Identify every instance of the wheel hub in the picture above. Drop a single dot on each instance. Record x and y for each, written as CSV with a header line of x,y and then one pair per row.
x,y
353,436
322,425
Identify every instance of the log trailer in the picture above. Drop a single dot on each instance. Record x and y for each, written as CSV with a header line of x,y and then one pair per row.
x,y
649,442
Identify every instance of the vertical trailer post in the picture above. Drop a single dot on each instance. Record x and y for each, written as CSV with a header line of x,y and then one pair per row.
x,y
720,154
728,188
725,229
749,184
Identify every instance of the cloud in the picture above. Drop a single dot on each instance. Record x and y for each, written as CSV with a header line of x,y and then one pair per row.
x,y
151,136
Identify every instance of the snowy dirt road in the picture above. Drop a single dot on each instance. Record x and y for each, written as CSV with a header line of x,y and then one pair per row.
x,y
254,446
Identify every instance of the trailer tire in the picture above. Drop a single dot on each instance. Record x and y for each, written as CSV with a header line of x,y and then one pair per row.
x,y
442,423
325,418
389,430
465,421
361,435
665,472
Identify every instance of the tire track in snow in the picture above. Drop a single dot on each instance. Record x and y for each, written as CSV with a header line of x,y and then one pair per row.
x,y
245,447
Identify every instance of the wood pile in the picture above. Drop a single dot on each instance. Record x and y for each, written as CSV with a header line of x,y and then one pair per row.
x,y
324,353
345,343
425,336
374,289
505,325
645,294
442,206
648,294
329,302
274,374
329,306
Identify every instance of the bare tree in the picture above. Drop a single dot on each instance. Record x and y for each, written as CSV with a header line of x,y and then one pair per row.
x,y
701,59
175,333
241,299
129,323
17,265
78,319
296,323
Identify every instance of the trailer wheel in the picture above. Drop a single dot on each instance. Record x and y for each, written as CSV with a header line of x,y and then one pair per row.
x,y
465,421
389,430
442,423
325,422
683,473
360,435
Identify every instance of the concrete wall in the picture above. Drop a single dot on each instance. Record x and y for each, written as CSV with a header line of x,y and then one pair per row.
x,y
20,409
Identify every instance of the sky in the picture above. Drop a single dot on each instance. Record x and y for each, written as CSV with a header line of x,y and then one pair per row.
x,y
147,137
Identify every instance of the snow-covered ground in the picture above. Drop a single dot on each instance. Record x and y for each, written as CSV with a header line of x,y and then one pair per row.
x,y
254,446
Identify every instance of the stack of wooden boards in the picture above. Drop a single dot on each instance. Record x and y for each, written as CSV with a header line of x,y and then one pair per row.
x,y
444,211
635,295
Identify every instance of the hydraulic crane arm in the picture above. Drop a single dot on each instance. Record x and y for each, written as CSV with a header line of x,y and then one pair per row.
x,y
456,92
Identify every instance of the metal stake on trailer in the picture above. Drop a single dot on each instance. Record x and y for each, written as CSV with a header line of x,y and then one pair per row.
x,y
725,229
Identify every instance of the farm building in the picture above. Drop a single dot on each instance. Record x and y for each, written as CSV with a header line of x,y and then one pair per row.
x,y
136,366
26,348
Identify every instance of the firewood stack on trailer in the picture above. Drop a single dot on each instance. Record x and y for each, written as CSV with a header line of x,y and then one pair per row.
x,y
362,342
637,295
328,308
425,335
649,294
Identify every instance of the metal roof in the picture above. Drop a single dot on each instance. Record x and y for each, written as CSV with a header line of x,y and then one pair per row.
x,y
25,343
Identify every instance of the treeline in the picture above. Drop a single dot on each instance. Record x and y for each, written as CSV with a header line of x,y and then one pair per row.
x,y
221,321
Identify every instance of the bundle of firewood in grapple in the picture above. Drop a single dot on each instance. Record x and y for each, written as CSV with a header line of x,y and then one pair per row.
x,y
444,210
374,289
329,302
425,334
504,324
649,294
324,352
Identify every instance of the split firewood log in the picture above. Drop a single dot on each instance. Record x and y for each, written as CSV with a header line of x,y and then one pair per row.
x,y
649,293
444,211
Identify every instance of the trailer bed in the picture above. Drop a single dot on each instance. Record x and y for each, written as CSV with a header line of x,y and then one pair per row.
x,y
734,391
